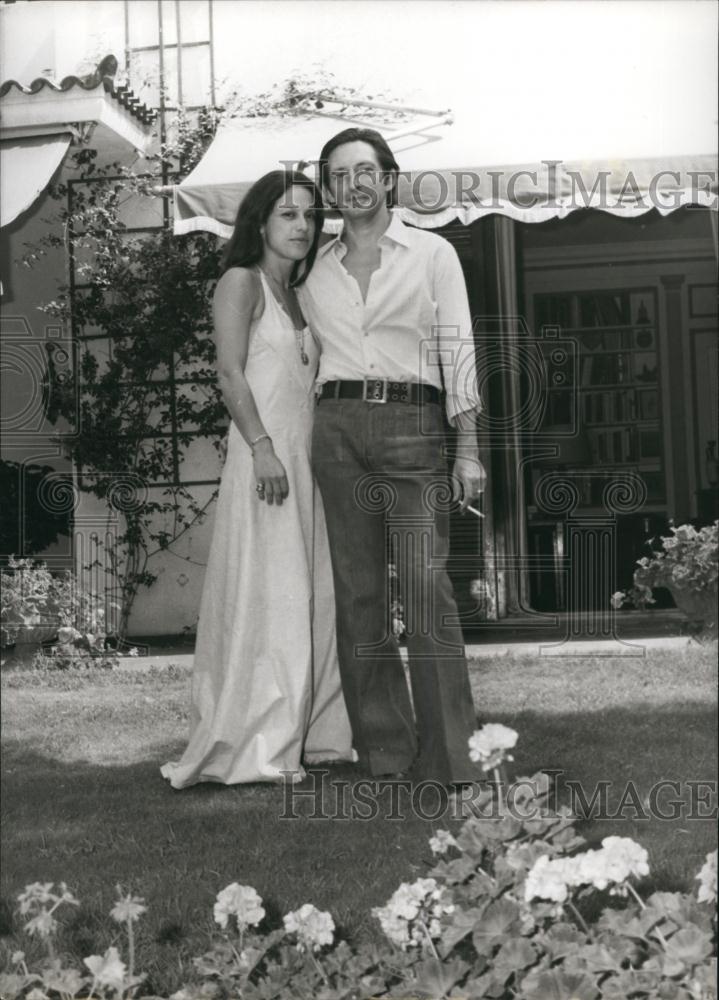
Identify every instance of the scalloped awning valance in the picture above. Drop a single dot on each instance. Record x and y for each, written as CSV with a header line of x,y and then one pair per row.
x,y
444,176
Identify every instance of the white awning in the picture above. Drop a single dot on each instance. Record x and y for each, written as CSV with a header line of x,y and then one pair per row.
x,y
26,166
613,96
444,175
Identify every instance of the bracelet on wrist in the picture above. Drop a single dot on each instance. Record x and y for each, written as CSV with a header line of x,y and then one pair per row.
x,y
262,437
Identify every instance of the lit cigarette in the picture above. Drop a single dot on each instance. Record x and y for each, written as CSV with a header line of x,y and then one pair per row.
x,y
477,513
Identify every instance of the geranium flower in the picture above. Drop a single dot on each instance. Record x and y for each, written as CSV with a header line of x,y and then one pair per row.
x,y
314,928
240,901
489,745
108,969
413,912
617,599
441,842
43,924
707,878
618,859
622,858
548,878
128,908
37,892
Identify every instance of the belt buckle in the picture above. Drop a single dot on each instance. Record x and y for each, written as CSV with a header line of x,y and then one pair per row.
x,y
378,392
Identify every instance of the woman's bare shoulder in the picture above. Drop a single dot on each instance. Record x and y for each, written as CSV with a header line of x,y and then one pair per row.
x,y
239,287
239,280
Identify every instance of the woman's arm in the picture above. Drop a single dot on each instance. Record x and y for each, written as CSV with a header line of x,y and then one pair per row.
x,y
238,298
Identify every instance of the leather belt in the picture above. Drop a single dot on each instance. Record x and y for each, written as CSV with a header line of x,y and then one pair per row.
x,y
380,390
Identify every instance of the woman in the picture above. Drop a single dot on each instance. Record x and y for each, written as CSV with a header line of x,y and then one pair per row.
x,y
266,688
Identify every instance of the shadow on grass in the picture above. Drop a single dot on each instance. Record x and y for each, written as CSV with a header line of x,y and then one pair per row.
x,y
97,826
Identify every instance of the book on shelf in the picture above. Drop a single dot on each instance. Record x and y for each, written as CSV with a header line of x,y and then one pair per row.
x,y
613,446
648,404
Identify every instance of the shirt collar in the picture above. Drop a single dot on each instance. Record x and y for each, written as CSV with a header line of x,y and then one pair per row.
x,y
396,231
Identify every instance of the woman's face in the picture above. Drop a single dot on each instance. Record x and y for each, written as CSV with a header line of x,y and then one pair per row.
x,y
290,227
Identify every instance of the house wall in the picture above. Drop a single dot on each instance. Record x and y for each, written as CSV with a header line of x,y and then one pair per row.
x,y
586,250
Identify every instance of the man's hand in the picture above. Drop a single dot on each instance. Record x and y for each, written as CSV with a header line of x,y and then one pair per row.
x,y
468,480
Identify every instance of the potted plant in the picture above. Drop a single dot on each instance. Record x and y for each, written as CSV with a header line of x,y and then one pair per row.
x,y
686,564
38,606
29,612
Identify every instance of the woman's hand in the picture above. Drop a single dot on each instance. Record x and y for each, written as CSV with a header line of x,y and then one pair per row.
x,y
269,473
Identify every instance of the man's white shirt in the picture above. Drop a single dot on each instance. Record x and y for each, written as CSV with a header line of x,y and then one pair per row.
x,y
414,326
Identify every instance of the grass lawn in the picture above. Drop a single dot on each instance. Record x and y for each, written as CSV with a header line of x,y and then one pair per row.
x,y
83,800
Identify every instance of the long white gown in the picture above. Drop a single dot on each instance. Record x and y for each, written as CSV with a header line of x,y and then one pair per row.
x,y
266,690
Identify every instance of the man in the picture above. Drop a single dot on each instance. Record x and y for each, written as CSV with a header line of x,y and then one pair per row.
x,y
389,306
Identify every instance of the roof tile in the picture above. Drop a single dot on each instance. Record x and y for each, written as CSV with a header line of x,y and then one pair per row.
x,y
103,74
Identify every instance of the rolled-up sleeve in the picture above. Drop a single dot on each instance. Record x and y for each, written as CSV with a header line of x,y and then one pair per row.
x,y
454,334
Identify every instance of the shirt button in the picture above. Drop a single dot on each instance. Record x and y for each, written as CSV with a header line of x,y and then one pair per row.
x,y
371,366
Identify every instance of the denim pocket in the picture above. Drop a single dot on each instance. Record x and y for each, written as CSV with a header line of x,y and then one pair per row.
x,y
410,437
328,434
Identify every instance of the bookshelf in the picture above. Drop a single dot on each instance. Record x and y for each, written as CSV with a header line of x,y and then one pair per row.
x,y
612,390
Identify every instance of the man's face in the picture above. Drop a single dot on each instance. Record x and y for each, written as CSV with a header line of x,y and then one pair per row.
x,y
356,184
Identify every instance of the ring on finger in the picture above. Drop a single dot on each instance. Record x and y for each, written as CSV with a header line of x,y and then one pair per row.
x,y
260,488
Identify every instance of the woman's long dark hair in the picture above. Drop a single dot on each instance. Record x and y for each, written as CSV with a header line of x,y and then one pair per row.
x,y
246,245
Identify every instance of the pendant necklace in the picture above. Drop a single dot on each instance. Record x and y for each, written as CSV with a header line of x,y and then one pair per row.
x,y
299,334
300,339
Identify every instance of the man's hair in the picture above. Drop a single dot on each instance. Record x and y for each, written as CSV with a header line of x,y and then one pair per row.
x,y
385,156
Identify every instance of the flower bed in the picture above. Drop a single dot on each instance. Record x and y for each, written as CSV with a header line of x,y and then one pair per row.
x,y
498,916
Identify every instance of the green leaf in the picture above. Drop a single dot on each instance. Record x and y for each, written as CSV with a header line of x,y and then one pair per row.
x,y
561,940
689,946
488,985
514,956
621,922
498,919
436,979
598,958
556,985
628,984
455,871
462,922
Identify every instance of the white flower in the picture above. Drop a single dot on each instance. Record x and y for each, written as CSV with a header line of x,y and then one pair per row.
x,y
623,857
617,599
128,908
489,744
43,924
133,651
441,842
413,912
707,877
618,859
240,901
314,928
548,879
37,892
17,957
108,969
